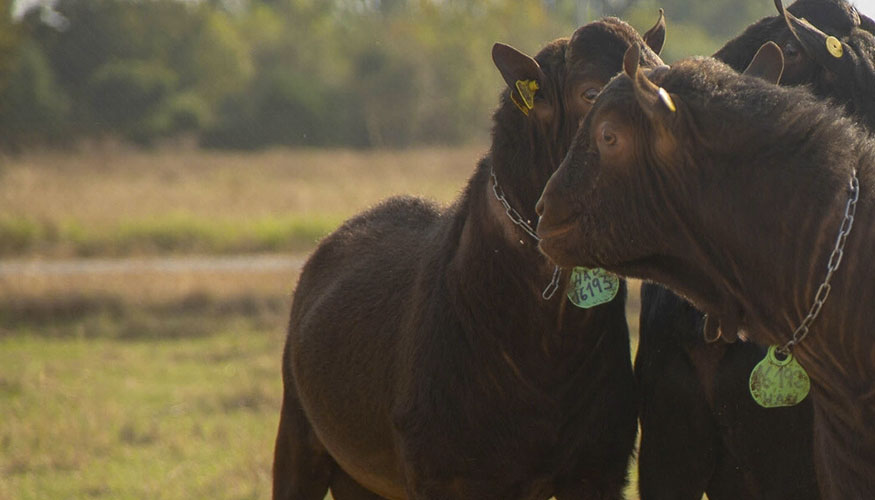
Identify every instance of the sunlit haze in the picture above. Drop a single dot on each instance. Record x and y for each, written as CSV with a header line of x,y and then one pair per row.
x,y
866,7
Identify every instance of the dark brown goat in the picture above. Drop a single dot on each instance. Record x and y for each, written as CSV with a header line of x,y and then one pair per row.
x,y
422,361
844,74
732,191
700,429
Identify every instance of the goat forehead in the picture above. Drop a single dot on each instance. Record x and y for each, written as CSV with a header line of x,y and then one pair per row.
x,y
601,67
552,57
619,84
601,37
592,39
618,97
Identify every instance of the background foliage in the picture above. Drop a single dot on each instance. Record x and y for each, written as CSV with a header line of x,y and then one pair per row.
x,y
159,378
248,74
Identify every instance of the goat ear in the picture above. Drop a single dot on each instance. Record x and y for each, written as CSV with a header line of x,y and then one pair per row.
x,y
768,63
522,74
826,50
654,100
655,36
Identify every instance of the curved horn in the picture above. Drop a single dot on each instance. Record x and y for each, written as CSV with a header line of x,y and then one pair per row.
x,y
779,4
655,36
653,99
827,50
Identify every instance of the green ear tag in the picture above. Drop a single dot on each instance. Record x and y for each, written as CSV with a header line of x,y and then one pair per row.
x,y
775,383
591,287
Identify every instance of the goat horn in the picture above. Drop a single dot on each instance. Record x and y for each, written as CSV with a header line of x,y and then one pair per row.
x,y
649,96
827,50
779,4
655,36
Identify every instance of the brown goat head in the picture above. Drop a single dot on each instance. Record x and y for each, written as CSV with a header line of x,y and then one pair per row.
x,y
730,190
556,88
643,141
827,44
825,50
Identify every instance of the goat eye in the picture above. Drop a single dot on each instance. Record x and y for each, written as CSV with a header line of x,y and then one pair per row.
x,y
590,94
609,137
791,49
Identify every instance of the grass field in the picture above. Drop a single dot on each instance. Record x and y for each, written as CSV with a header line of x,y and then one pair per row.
x,y
117,202
155,384
133,386
103,418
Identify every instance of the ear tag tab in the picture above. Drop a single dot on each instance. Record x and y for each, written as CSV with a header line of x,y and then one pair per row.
x,y
592,287
516,100
667,100
527,89
778,382
834,47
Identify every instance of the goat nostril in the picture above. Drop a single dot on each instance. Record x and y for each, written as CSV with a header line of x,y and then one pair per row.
x,y
539,208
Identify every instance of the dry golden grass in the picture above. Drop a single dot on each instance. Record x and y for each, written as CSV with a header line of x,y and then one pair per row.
x,y
633,308
150,287
145,305
123,202
103,187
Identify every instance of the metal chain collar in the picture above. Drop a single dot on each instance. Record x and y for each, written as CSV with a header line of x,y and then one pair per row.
x,y
835,259
514,216
517,219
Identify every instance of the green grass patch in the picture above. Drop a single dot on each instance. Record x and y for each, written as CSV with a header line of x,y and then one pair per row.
x,y
117,419
109,396
104,418
19,235
175,233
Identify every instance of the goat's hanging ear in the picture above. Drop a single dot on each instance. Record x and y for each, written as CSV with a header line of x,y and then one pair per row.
x,y
522,74
826,50
768,63
656,102
655,36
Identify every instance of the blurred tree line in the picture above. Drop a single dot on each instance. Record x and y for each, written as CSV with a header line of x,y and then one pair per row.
x,y
253,73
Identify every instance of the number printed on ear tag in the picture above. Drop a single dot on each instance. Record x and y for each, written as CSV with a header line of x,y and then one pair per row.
x,y
778,382
591,287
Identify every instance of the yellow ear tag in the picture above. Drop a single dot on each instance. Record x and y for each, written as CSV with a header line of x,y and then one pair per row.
x,y
527,89
516,100
834,47
666,99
